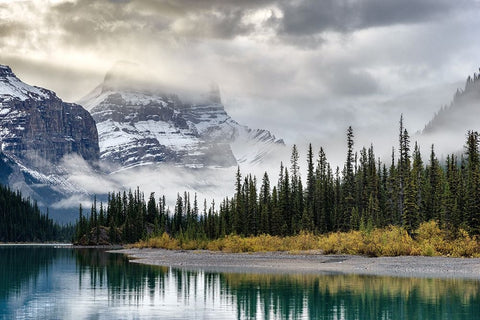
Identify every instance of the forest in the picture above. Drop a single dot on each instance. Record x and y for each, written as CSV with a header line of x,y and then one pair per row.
x,y
365,194
22,221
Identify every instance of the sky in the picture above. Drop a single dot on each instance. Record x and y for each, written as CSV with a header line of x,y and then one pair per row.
x,y
304,69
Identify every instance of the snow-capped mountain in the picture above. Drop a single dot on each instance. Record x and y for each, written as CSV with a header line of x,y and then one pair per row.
x,y
37,129
139,125
55,153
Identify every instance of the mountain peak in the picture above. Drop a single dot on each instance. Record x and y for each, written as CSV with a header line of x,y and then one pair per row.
x,y
5,71
142,121
12,88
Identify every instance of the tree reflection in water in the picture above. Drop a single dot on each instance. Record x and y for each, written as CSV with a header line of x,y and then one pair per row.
x,y
91,283
289,296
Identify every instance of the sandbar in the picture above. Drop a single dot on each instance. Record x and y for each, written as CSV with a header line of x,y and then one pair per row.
x,y
307,262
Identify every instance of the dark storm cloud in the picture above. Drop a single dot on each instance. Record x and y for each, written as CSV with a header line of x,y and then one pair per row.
x,y
299,23
307,17
90,21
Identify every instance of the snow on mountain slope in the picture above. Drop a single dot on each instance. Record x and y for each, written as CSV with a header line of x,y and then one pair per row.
x,y
37,130
142,126
12,88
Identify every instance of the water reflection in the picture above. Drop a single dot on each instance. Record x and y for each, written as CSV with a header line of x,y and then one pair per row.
x,y
17,268
89,283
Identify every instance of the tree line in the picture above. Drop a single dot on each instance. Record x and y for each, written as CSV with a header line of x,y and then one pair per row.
x,y
365,193
22,221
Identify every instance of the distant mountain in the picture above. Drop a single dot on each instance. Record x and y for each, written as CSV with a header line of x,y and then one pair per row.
x,y
55,152
37,129
453,121
139,123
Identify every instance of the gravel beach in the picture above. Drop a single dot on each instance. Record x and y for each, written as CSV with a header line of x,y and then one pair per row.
x,y
283,262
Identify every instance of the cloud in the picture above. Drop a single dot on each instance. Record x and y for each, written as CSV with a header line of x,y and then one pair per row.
x,y
302,69
308,17
72,202
90,22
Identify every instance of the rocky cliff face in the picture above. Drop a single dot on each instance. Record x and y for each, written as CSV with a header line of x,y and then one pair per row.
x,y
138,126
38,128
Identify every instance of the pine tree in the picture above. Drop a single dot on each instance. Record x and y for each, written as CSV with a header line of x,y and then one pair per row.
x,y
309,210
434,190
152,211
413,195
238,213
297,192
451,196
349,189
472,204
265,205
403,170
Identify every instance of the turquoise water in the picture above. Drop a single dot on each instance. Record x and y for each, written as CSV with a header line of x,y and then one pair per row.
x,y
45,282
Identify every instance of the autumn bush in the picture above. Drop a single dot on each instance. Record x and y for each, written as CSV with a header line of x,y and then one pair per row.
x,y
164,241
428,240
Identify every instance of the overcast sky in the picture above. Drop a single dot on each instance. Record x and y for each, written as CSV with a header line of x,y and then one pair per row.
x,y
305,69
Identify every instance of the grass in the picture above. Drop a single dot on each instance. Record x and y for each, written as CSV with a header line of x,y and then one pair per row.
x,y
427,240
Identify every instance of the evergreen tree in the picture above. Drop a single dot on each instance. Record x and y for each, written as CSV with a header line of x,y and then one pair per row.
x,y
349,189
403,170
434,190
265,206
296,192
472,203
413,195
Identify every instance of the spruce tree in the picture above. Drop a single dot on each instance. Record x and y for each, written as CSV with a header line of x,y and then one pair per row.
x,y
413,195
472,204
434,189
349,189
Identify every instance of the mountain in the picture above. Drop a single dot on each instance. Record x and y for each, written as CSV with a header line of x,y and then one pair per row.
x,y
453,121
37,130
140,123
55,153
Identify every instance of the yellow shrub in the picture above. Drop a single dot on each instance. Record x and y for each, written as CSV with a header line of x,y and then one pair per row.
x,y
465,246
430,240
395,241
341,242
164,241
303,241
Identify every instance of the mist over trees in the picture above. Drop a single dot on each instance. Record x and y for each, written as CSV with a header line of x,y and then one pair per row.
x,y
365,194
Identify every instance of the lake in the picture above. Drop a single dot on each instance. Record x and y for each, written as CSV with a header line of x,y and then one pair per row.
x,y
45,282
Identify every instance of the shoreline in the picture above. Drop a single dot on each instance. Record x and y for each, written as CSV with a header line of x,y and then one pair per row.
x,y
307,263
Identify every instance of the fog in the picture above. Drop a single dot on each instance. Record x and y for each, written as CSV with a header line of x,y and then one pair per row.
x,y
305,70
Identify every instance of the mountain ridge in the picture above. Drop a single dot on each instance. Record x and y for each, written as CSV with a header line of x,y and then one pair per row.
x,y
457,116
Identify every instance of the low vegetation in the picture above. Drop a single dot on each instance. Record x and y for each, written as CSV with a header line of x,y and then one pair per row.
x,y
427,240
